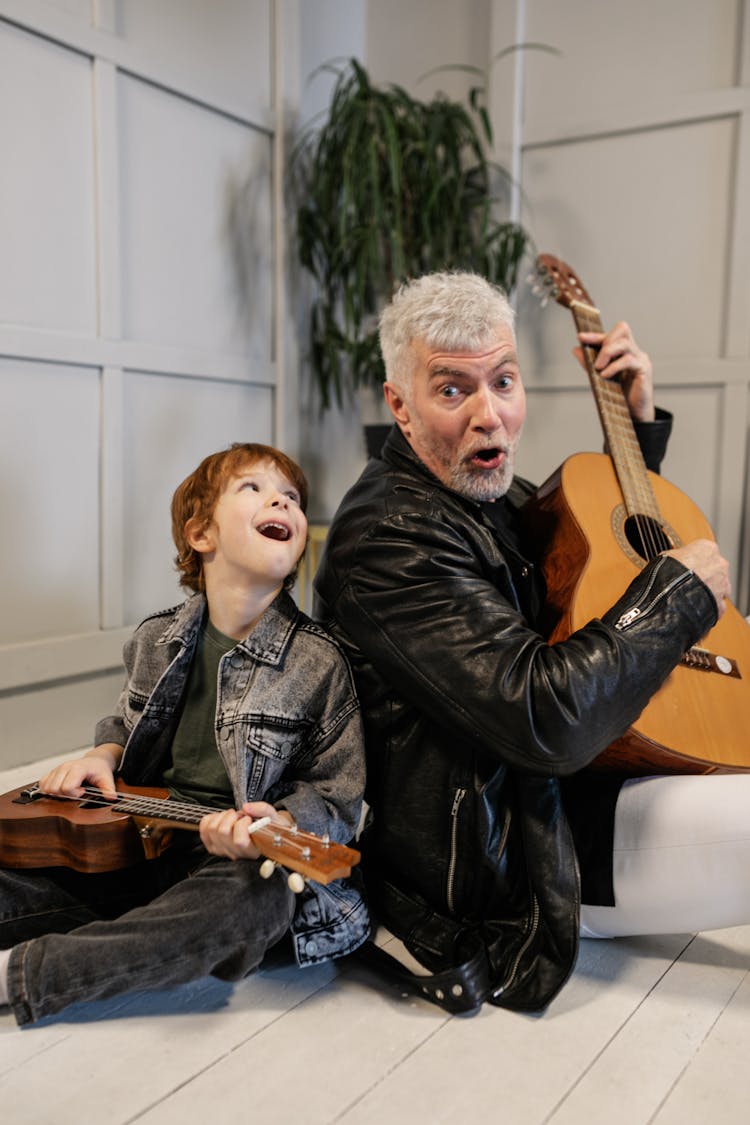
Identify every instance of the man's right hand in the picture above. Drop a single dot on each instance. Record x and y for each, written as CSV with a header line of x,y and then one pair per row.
x,y
702,556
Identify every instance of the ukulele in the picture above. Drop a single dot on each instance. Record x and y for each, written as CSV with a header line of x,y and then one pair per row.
x,y
94,834
597,521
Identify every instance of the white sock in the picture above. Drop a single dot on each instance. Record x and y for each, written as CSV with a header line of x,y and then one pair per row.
x,y
4,957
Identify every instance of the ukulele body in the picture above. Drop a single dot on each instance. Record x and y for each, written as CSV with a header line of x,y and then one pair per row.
x,y
47,832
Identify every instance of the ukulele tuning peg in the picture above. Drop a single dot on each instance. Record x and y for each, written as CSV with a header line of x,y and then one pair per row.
x,y
267,868
296,882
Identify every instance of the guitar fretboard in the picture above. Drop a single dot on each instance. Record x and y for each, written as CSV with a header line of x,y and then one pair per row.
x,y
617,424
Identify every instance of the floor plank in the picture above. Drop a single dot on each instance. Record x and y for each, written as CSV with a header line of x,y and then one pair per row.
x,y
635,1072
715,1086
650,1030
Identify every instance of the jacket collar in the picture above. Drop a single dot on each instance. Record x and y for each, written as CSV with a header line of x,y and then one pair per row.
x,y
266,643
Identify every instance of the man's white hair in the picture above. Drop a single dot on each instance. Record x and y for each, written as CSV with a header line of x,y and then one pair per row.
x,y
457,311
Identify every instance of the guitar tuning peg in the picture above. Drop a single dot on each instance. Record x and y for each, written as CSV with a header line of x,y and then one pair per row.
x,y
296,882
267,868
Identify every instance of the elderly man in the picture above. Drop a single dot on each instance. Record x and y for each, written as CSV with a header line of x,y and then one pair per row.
x,y
484,836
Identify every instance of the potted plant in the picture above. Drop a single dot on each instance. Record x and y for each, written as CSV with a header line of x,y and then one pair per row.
x,y
387,188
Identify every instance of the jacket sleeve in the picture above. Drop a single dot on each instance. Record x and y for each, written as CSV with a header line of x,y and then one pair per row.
x,y
653,438
420,601
114,727
324,790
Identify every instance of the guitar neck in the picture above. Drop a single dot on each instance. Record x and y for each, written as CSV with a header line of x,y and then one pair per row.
x,y
617,424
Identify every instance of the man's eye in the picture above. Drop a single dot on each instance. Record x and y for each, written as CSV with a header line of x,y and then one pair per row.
x,y
450,390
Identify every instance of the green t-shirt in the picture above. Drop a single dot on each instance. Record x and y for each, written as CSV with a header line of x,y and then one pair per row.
x,y
197,772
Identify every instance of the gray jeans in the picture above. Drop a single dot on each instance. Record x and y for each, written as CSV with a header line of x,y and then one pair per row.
x,y
158,924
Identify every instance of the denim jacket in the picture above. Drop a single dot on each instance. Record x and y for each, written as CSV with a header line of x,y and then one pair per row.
x,y
288,731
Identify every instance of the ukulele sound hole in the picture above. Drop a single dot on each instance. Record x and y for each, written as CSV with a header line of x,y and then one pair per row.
x,y
642,537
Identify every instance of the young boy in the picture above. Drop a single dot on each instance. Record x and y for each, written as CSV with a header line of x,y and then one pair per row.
x,y
233,699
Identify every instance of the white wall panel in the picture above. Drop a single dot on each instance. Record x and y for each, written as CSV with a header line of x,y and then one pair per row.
x,y
60,717
558,422
180,167
612,53
693,461
47,241
170,425
220,48
629,213
138,302
49,459
81,9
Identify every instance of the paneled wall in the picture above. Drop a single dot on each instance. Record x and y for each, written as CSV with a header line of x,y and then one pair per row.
x,y
632,144
138,319
144,319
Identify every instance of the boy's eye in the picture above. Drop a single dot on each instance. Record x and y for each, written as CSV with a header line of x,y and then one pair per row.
x,y
249,484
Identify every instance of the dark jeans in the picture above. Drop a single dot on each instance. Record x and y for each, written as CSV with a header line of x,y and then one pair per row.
x,y
158,924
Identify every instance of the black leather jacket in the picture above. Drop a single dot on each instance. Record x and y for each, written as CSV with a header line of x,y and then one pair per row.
x,y
471,718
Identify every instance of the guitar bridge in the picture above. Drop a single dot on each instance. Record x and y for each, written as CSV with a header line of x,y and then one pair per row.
x,y
704,661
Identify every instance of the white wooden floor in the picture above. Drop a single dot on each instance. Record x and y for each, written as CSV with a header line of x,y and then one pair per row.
x,y
647,1030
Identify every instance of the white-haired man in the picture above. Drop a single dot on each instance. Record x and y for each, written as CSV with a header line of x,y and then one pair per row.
x,y
486,834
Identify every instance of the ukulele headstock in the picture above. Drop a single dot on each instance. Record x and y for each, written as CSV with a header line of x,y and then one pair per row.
x,y
313,857
554,278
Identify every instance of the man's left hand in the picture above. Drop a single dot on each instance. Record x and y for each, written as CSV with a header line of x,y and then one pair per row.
x,y
620,357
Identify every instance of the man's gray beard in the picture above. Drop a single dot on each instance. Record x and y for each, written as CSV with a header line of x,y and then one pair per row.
x,y
481,486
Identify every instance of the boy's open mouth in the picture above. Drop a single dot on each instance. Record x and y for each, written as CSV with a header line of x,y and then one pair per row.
x,y
275,531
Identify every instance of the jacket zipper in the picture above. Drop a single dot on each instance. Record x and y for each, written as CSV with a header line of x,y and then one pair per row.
x,y
509,980
457,799
638,610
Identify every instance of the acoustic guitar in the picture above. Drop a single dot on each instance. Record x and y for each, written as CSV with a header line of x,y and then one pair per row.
x,y
598,520
94,834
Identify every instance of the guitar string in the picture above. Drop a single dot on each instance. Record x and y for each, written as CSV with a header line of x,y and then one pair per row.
x,y
623,446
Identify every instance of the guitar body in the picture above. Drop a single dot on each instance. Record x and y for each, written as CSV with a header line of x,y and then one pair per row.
x,y
699,720
47,832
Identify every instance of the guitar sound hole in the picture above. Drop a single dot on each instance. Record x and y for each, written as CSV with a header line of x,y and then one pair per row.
x,y
646,536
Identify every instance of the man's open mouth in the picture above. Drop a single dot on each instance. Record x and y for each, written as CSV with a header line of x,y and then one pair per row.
x,y
487,458
275,531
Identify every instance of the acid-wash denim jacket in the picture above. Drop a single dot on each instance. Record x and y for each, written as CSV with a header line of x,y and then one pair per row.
x,y
288,731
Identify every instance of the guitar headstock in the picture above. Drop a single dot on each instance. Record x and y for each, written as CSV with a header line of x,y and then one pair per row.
x,y
314,857
554,278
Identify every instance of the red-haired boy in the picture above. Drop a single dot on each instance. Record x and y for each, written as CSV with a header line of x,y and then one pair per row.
x,y
236,700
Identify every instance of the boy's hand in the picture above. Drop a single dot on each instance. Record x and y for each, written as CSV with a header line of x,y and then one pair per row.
x,y
226,833
95,768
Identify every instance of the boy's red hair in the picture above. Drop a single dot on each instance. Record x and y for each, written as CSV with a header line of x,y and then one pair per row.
x,y
196,498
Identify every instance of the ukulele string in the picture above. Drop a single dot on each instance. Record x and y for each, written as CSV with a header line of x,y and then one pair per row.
x,y
292,838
